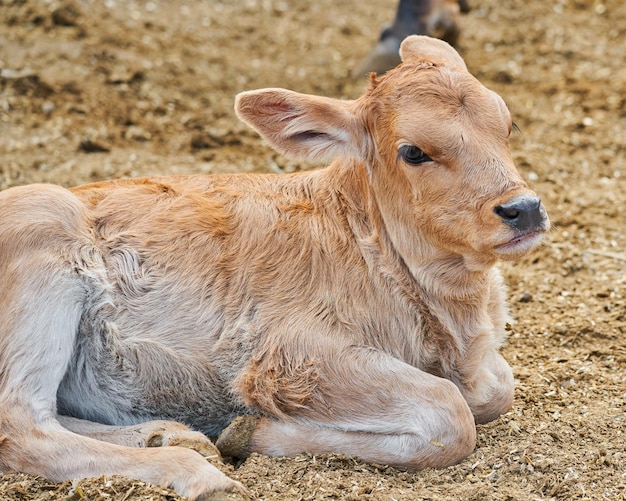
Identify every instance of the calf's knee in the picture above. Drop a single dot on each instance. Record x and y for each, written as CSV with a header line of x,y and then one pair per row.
x,y
492,392
450,434
458,435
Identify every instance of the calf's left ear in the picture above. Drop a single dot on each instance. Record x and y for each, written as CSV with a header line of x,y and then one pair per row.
x,y
300,126
417,48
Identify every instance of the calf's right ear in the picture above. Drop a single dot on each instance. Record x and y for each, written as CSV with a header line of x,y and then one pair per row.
x,y
301,126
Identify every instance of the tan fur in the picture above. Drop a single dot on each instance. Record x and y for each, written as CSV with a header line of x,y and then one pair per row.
x,y
353,309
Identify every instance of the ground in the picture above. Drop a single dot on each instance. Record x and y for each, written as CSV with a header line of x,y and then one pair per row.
x,y
92,90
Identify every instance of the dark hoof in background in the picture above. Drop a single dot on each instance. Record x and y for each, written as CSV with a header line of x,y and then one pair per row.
x,y
382,58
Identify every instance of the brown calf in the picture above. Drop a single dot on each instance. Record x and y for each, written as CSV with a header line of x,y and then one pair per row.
x,y
353,309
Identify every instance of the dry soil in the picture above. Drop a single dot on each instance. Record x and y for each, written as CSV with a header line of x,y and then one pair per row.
x,y
91,90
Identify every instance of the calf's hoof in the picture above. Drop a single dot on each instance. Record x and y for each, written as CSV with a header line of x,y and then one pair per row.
x,y
189,439
234,441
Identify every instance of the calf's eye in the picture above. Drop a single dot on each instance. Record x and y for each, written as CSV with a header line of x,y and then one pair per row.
x,y
413,155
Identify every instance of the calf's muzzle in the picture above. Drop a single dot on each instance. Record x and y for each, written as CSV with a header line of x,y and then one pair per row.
x,y
524,213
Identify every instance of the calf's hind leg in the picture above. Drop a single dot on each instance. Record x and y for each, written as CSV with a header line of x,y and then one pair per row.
x,y
36,351
41,299
148,434
369,405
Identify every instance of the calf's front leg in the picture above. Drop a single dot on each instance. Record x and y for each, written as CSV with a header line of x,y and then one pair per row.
x,y
489,389
483,375
369,405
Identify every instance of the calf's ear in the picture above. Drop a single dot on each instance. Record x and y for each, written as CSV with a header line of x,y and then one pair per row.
x,y
300,126
422,48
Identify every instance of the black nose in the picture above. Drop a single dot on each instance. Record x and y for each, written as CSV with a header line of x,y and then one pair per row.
x,y
523,213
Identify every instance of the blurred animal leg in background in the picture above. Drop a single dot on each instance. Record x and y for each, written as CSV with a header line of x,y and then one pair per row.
x,y
435,18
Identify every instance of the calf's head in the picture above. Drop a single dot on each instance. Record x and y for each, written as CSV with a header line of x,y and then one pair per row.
x,y
434,143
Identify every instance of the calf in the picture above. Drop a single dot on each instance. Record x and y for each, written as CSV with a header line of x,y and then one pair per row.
x,y
354,309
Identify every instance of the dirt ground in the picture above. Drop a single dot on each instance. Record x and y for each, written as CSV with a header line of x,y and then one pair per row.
x,y
92,90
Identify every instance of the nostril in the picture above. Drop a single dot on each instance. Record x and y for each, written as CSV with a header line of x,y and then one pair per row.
x,y
522,213
507,212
